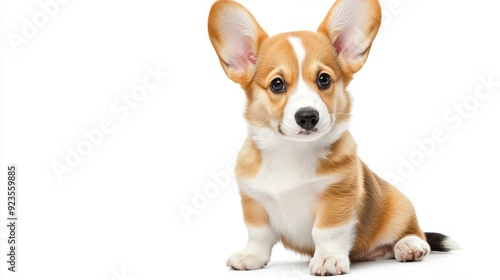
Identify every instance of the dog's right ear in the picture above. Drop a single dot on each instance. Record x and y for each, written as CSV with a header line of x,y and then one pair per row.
x,y
351,26
236,37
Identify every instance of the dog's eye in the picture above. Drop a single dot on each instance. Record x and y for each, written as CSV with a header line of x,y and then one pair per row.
x,y
278,85
324,81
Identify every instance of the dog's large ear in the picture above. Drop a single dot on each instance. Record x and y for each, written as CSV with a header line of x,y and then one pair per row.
x,y
236,37
351,26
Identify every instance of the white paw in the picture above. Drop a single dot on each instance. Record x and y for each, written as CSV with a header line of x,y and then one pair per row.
x,y
325,266
239,261
411,248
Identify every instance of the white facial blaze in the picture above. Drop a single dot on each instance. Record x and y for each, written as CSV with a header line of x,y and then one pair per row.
x,y
303,96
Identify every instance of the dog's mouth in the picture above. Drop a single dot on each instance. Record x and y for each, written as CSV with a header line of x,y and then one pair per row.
x,y
308,132
302,132
302,135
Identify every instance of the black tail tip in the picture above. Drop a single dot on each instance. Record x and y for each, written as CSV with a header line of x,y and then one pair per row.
x,y
441,242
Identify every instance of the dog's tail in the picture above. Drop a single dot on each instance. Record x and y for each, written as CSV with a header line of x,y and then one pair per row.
x,y
441,242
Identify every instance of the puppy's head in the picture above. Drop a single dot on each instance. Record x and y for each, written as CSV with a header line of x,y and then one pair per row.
x,y
295,82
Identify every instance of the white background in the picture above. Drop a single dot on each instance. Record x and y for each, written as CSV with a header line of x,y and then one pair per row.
x,y
116,214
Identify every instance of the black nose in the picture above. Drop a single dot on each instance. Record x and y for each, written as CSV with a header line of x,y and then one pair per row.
x,y
307,118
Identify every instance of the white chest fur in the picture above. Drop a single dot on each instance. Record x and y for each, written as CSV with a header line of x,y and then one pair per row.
x,y
287,187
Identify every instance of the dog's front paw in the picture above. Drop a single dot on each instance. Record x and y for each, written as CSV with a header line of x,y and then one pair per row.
x,y
324,266
240,261
411,248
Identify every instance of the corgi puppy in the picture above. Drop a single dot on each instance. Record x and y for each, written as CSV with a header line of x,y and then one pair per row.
x,y
300,179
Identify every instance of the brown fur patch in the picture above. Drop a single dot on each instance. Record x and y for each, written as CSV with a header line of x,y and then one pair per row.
x,y
249,160
385,216
253,213
337,204
341,159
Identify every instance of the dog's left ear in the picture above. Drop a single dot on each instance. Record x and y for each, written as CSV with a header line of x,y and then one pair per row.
x,y
236,37
351,26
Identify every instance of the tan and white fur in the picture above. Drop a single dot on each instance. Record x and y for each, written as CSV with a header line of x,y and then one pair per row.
x,y
300,179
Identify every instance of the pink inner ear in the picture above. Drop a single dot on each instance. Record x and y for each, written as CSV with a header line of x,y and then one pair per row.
x,y
251,57
242,54
340,43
